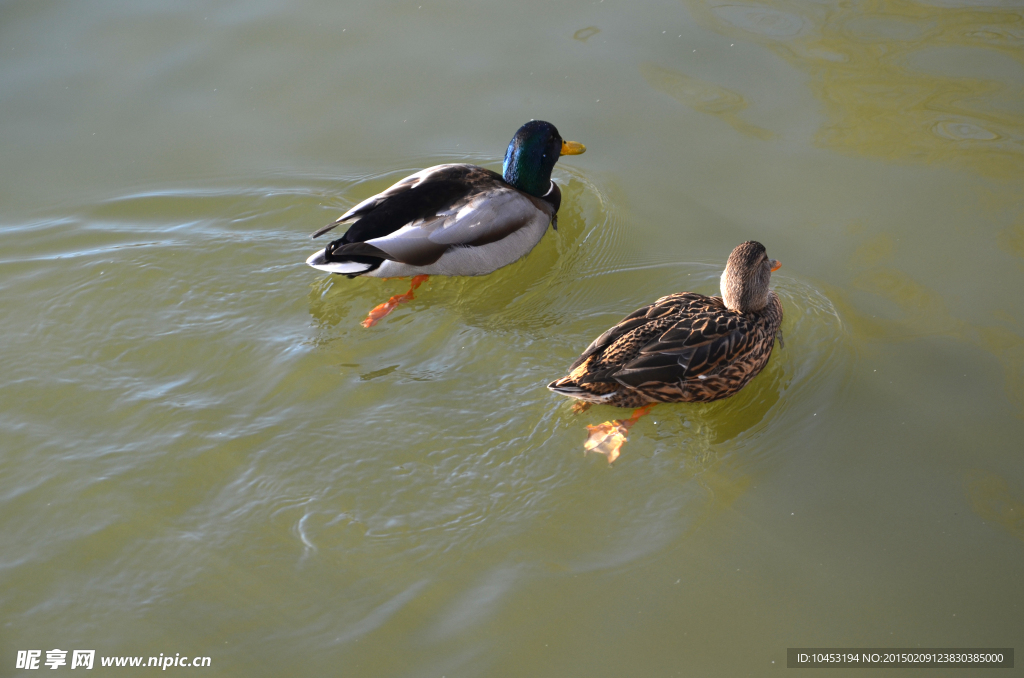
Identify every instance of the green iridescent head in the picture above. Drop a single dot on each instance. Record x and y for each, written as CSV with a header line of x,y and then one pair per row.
x,y
532,154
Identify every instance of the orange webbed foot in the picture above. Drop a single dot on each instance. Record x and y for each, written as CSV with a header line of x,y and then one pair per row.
x,y
381,310
609,437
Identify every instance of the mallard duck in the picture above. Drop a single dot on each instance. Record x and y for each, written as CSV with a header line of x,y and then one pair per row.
x,y
454,219
684,347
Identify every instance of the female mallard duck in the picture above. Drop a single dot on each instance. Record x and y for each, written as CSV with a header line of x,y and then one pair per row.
x,y
685,347
452,219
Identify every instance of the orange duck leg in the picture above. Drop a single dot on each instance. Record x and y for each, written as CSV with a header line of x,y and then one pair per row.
x,y
381,310
609,437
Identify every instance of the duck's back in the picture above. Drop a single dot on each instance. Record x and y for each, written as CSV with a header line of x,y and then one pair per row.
x,y
444,220
682,348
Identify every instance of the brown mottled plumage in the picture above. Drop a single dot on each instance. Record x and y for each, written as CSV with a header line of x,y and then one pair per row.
x,y
685,347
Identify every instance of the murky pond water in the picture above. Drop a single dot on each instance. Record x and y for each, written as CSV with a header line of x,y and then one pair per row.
x,y
204,454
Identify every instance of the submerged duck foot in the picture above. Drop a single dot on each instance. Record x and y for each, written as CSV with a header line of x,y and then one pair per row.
x,y
381,310
609,437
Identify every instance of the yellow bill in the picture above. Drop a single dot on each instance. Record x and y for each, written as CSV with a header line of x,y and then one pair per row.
x,y
572,148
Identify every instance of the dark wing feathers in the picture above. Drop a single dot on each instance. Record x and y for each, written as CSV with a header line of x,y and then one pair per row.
x,y
649,367
339,249
681,336
360,209
426,200
640,318
626,325
325,229
419,197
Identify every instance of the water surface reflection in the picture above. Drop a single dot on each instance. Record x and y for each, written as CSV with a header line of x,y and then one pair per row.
x,y
885,89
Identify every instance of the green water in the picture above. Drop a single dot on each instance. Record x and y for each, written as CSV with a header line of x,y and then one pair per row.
x,y
204,453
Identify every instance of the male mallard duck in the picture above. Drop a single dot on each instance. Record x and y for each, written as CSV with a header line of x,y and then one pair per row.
x,y
685,347
452,219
